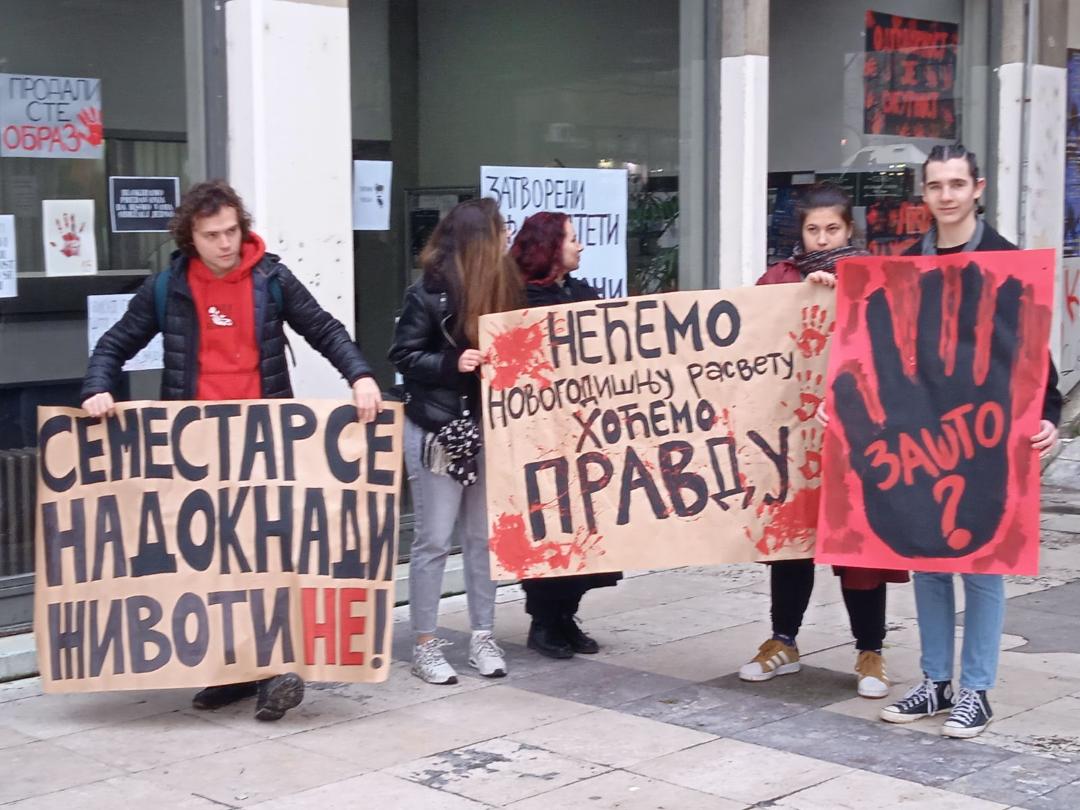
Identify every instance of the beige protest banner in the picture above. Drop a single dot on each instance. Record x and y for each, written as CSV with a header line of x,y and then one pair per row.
x,y
655,431
203,543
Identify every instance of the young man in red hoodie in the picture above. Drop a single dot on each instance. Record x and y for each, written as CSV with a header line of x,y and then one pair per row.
x,y
222,310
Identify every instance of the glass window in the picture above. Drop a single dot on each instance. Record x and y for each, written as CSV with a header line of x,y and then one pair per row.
x,y
859,96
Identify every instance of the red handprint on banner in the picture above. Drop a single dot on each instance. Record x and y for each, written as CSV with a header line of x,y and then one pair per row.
x,y
90,118
70,241
816,330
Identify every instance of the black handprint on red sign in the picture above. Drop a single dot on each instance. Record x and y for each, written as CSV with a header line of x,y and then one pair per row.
x,y
934,472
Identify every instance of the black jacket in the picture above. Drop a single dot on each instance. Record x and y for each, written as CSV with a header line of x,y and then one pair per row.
x,y
992,240
571,290
181,335
426,351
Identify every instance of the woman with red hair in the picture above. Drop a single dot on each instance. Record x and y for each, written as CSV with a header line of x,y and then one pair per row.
x,y
547,250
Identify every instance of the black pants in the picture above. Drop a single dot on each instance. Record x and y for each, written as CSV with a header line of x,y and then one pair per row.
x,y
551,599
792,582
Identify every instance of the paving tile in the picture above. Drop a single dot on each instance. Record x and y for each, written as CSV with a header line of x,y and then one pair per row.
x,y
42,767
739,771
244,776
119,791
1064,798
811,686
611,738
699,658
857,790
374,790
386,739
1053,728
670,622
1045,631
496,771
401,689
149,742
496,711
621,790
17,690
598,684
654,589
712,709
47,716
922,758
1018,780
9,737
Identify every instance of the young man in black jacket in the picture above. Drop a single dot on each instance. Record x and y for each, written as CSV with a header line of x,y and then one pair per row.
x,y
221,308
951,189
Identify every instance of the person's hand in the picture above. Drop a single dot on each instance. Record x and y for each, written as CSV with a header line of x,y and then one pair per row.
x,y
934,461
823,277
368,398
1045,439
100,405
470,360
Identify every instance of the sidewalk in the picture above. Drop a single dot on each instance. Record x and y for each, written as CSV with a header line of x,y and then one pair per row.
x,y
657,720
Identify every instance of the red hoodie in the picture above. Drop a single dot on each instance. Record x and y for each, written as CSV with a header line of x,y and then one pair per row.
x,y
225,311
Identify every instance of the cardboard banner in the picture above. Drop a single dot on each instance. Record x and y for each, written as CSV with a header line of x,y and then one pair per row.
x,y
655,431
595,201
937,374
201,543
909,77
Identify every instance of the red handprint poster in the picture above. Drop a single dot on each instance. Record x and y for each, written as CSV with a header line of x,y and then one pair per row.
x,y
68,230
936,379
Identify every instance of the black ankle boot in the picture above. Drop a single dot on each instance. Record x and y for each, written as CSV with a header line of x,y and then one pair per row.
x,y
548,640
578,640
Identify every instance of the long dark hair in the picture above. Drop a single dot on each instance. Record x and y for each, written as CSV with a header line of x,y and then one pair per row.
x,y
466,254
204,200
824,195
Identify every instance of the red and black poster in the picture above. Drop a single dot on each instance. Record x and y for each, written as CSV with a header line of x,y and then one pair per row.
x,y
935,384
909,77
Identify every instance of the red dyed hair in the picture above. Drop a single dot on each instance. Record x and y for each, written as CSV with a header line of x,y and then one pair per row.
x,y
537,248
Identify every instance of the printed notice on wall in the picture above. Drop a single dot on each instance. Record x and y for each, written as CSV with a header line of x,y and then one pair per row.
x,y
68,234
50,117
371,195
102,311
909,77
142,204
595,201
8,264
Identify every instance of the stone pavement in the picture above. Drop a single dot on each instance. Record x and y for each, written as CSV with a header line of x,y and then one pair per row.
x,y
657,720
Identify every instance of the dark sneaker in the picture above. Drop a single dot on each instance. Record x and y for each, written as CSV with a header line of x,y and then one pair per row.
x,y
925,700
549,640
214,697
577,638
277,695
970,715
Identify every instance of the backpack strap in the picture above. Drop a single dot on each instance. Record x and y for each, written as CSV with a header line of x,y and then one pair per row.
x,y
273,286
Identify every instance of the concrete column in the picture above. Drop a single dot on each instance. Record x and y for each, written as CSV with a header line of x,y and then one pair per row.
x,y
290,153
744,141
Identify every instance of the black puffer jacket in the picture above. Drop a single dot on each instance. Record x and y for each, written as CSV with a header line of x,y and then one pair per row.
x,y
181,335
426,353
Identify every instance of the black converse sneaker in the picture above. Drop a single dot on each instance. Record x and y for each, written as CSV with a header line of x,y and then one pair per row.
x,y
925,700
969,716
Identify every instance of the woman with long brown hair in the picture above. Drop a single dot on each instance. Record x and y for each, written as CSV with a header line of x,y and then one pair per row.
x,y
466,274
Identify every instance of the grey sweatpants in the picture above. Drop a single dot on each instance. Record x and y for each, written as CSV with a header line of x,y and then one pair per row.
x,y
445,509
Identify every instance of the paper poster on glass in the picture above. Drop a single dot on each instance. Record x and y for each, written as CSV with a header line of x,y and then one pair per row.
x,y
102,311
594,199
8,264
50,117
68,235
142,204
371,194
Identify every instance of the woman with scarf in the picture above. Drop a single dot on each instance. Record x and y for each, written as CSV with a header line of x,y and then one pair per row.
x,y
546,250
466,274
826,225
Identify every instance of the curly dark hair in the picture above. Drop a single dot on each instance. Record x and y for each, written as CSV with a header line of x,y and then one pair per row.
x,y
205,200
537,248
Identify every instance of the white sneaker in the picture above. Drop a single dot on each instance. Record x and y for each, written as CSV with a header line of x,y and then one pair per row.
x,y
773,658
873,681
430,665
485,655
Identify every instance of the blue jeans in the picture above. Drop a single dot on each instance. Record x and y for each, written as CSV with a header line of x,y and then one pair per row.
x,y
445,509
984,618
